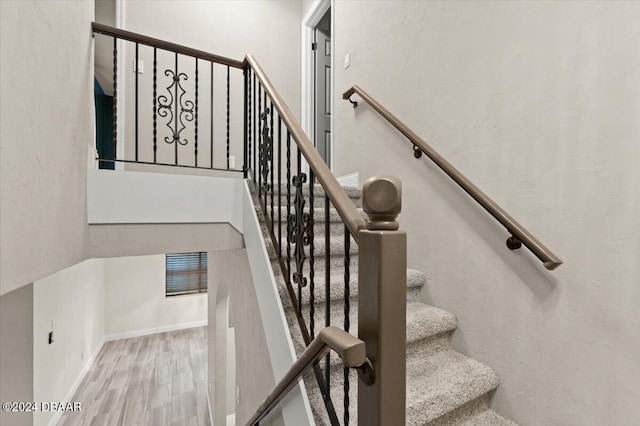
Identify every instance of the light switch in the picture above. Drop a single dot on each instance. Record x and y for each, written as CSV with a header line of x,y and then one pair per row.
x,y
347,60
140,66
232,162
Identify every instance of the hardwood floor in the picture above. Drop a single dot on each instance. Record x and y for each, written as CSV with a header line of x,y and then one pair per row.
x,y
153,380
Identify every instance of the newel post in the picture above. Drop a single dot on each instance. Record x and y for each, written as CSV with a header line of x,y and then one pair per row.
x,y
382,303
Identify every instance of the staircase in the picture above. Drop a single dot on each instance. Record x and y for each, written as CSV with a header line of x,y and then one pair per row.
x,y
444,387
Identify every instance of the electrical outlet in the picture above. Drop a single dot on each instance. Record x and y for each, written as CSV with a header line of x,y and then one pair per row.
x,y
232,162
347,60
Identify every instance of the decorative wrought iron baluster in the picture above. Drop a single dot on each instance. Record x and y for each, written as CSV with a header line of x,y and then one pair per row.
x,y
312,307
279,186
211,112
195,136
228,115
265,151
248,116
136,96
176,108
327,286
259,120
115,99
271,157
255,129
347,302
300,230
155,105
288,205
176,80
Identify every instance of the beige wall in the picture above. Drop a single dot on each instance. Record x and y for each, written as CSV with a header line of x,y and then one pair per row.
x,y
135,299
47,124
71,303
16,353
538,104
233,303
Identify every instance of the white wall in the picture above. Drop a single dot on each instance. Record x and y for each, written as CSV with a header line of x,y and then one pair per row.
x,y
134,197
538,104
47,125
16,353
71,303
135,301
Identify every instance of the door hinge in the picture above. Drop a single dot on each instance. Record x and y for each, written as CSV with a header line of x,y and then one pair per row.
x,y
314,46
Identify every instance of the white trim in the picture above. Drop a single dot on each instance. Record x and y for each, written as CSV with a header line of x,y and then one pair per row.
x,y
209,402
311,19
76,384
155,330
295,407
352,179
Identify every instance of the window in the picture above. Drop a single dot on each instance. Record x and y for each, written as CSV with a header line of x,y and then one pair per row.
x,y
186,273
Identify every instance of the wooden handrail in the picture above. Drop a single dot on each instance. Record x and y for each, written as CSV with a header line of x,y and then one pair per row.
x,y
518,232
350,349
162,44
338,196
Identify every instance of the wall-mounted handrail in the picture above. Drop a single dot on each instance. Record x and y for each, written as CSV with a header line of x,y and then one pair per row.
x,y
518,232
162,44
338,196
350,349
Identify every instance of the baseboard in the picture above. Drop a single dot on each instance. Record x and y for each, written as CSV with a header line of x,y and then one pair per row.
x,y
156,330
352,179
76,384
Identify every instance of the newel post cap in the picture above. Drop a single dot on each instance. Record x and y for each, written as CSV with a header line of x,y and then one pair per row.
x,y
382,202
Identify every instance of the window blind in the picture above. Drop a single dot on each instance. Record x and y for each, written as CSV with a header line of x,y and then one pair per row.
x,y
186,273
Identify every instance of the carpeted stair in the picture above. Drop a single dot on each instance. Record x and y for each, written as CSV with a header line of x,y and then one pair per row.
x,y
444,387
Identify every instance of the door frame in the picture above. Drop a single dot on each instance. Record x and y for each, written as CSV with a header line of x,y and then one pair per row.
x,y
307,101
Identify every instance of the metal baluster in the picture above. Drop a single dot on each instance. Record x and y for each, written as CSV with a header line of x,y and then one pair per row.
x,y
258,141
299,230
228,117
177,105
327,287
279,186
155,105
312,308
288,205
211,115
255,127
265,171
195,146
115,99
249,114
136,95
272,169
347,294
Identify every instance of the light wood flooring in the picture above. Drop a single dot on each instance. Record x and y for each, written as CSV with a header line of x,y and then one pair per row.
x,y
153,380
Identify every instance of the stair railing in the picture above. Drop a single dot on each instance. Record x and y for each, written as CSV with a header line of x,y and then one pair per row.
x,y
270,129
180,118
519,234
175,123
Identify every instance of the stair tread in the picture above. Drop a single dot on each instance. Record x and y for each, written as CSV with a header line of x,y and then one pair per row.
x,y
488,418
415,280
440,382
423,321
318,213
336,245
